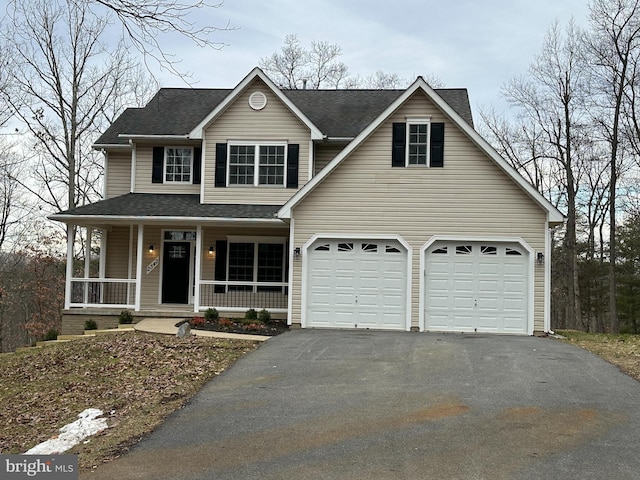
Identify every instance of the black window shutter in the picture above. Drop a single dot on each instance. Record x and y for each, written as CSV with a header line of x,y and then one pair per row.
x,y
157,175
221,165
293,153
197,165
437,145
398,144
221,265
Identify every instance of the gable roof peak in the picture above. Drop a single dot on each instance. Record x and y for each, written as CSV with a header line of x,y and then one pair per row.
x,y
197,132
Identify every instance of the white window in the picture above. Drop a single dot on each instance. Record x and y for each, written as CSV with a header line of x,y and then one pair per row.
x,y
418,141
257,164
177,164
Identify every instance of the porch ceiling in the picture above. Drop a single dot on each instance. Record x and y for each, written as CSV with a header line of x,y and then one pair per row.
x,y
152,207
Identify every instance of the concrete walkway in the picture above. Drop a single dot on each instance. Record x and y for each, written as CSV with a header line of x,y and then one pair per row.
x,y
167,326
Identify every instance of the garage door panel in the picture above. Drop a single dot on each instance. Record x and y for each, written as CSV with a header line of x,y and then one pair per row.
x,y
463,268
477,286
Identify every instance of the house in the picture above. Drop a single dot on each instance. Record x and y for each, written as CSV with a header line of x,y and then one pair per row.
x,y
366,209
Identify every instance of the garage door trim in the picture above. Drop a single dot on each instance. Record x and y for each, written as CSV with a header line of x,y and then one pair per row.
x,y
353,236
442,238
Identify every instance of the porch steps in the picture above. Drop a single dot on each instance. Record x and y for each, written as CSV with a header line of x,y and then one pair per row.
x,y
46,343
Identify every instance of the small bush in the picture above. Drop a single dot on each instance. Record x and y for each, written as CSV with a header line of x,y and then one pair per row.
x,y
51,335
90,325
251,314
125,317
264,316
211,315
197,322
226,323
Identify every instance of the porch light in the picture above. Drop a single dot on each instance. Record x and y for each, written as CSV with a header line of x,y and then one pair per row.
x,y
151,249
212,251
296,252
540,258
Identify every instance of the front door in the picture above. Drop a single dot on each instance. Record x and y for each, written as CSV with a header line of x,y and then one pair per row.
x,y
176,269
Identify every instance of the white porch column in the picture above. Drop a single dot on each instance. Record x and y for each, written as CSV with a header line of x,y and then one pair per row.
x,y
102,267
198,275
139,257
87,263
69,272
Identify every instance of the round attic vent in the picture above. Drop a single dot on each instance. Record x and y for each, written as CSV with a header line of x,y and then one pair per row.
x,y
257,100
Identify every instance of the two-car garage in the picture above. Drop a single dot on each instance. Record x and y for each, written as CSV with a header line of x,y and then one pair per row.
x,y
468,286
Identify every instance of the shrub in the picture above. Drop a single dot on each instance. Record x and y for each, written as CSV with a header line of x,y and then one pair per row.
x,y
251,314
125,317
264,316
197,322
225,323
90,325
211,315
51,334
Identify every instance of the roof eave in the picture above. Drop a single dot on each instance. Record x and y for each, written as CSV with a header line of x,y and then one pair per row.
x,y
111,146
92,219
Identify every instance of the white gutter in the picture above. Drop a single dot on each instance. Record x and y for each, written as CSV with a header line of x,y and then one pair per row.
x,y
89,219
152,137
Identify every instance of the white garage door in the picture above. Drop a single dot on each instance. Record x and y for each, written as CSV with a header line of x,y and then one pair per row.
x,y
356,284
477,287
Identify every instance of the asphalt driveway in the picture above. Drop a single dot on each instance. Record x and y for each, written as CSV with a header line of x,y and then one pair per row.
x,y
313,404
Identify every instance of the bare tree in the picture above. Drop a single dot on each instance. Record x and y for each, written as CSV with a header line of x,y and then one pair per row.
x,y
145,23
63,84
614,48
296,67
548,142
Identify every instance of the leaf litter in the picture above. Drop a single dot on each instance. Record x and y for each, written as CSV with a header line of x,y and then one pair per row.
x,y
137,378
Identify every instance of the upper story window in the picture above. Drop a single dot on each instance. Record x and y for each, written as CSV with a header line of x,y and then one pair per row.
x,y
257,164
417,142
177,164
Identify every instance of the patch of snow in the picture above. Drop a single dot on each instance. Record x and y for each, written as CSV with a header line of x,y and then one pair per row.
x,y
87,424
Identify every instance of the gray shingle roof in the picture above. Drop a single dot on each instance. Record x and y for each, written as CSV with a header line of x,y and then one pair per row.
x,y
169,205
337,113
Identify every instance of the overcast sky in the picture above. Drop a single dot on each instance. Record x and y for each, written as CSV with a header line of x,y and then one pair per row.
x,y
475,44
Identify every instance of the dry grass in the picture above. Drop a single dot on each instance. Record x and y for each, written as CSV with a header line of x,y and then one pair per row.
x,y
620,350
137,379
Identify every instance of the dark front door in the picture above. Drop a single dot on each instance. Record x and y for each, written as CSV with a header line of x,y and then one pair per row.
x,y
175,275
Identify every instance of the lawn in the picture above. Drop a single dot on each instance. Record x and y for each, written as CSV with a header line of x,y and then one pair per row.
x,y
620,350
136,379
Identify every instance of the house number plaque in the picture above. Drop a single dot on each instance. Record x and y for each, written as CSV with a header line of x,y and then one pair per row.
x,y
153,265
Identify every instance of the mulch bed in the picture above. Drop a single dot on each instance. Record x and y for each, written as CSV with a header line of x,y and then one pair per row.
x,y
232,325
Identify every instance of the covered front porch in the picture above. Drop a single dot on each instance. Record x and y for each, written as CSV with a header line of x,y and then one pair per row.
x,y
158,268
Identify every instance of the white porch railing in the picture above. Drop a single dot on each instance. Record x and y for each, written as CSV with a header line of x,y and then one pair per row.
x,y
103,292
241,296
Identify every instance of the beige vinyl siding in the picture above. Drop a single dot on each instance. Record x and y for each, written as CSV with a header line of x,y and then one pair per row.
x,y
324,154
144,165
275,122
118,174
469,197
117,256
